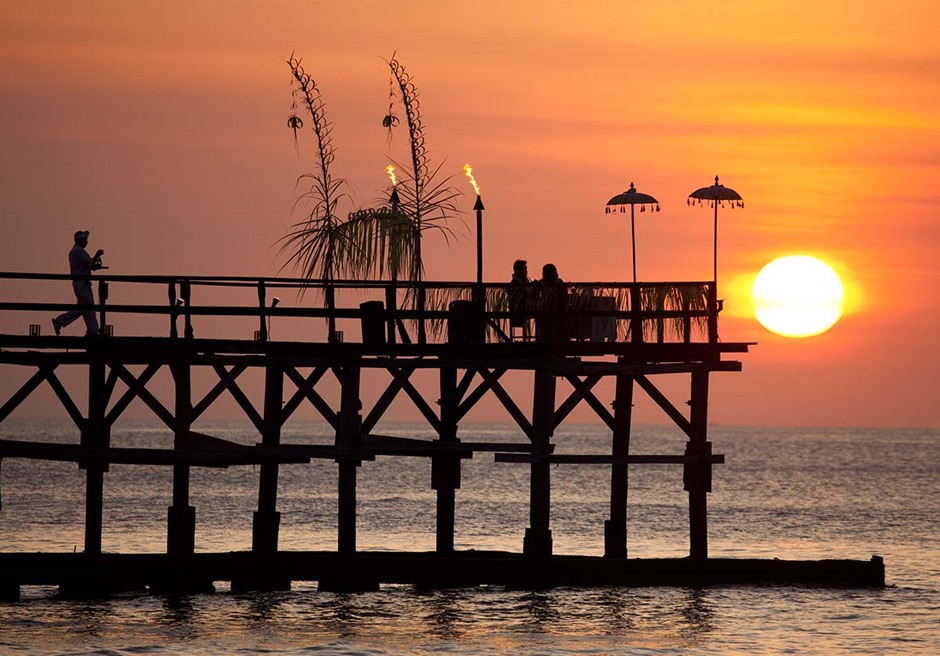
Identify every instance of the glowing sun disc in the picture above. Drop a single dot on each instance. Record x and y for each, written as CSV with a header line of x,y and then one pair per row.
x,y
797,296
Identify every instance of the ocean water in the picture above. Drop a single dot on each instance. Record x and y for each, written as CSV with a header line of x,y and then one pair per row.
x,y
790,493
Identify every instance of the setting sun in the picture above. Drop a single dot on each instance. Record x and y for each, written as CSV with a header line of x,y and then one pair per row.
x,y
797,296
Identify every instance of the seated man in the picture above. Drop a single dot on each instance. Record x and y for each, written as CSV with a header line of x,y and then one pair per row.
x,y
519,298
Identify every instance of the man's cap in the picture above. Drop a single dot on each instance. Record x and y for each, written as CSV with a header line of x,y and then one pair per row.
x,y
81,234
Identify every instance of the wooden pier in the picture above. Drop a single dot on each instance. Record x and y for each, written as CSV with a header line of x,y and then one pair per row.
x,y
573,337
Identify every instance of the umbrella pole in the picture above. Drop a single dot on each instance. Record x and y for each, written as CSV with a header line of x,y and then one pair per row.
x,y
715,271
633,242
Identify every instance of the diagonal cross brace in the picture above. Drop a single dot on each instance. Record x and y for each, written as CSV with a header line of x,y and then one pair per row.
x,y
139,388
399,378
240,397
582,392
217,390
491,382
130,394
306,390
666,405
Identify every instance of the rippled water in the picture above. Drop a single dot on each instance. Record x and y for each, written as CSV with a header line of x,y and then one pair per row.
x,y
789,493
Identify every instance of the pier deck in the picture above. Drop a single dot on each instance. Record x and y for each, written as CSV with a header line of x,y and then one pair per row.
x,y
575,336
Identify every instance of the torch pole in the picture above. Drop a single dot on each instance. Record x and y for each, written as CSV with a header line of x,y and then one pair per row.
x,y
478,206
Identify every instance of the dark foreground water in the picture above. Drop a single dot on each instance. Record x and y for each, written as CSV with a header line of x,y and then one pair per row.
x,y
788,493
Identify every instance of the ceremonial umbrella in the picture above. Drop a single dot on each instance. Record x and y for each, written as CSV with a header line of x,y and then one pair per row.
x,y
632,197
716,195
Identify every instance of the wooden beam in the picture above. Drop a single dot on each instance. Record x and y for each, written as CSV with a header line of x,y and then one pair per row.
x,y
603,459
24,391
65,399
465,382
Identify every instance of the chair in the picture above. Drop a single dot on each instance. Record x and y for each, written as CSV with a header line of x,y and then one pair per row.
x,y
518,295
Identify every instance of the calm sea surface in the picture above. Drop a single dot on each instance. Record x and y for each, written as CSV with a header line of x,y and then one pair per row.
x,y
789,493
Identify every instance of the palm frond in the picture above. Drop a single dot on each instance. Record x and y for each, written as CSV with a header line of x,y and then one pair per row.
x,y
311,243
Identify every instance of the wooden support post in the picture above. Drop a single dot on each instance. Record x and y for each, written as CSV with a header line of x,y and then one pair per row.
x,y
348,440
615,528
266,521
636,315
95,434
538,536
445,470
181,525
698,467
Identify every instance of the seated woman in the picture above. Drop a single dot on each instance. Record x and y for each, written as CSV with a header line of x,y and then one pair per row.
x,y
552,300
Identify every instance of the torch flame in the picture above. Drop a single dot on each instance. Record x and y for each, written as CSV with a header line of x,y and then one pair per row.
x,y
469,171
391,174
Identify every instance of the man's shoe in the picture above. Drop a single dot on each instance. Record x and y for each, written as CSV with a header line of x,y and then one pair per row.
x,y
56,327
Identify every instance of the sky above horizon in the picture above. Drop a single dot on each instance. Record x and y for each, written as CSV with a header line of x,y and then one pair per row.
x,y
161,127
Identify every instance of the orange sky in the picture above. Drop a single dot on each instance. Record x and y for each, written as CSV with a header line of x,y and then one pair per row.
x,y
161,127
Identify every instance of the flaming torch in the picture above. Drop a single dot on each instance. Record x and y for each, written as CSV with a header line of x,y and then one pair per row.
x,y
478,206
393,199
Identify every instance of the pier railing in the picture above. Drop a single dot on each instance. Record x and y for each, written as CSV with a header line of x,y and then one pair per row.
x,y
389,312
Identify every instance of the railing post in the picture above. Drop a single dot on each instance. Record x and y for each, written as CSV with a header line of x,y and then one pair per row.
x,y
660,321
391,303
686,319
171,297
636,315
422,304
185,296
103,301
262,301
330,293
713,309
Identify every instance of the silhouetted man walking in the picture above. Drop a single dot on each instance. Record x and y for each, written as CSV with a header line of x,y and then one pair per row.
x,y
81,264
